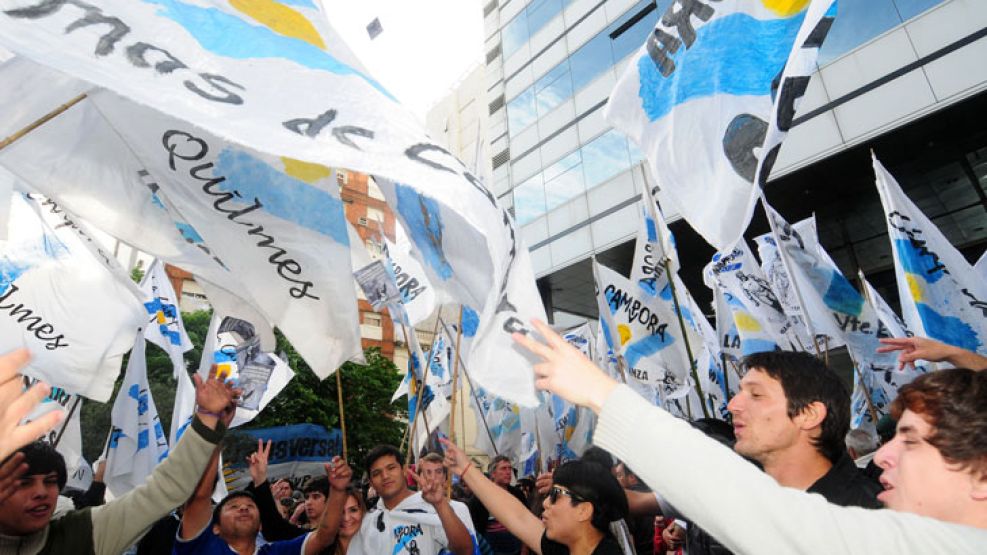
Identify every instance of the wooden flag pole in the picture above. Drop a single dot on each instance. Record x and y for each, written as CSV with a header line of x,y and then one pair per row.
x,y
455,385
41,121
685,338
65,424
867,392
342,415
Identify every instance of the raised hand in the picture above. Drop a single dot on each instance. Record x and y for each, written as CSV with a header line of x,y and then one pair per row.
x,y
433,491
565,371
214,395
916,348
10,472
16,404
340,474
455,458
258,462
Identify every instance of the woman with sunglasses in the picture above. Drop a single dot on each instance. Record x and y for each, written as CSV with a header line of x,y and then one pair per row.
x,y
583,500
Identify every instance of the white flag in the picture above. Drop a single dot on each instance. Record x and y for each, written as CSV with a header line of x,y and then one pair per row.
x,y
703,93
137,440
184,411
981,266
654,246
892,323
817,276
942,296
57,300
269,93
165,327
275,222
417,293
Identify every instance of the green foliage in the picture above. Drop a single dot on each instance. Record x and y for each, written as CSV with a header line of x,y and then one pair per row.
x,y
137,274
371,418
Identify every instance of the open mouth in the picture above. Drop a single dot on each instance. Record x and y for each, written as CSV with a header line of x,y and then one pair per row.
x,y
41,511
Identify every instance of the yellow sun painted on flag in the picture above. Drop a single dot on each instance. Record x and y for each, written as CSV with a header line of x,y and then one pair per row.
x,y
305,171
785,8
915,287
281,19
745,322
625,333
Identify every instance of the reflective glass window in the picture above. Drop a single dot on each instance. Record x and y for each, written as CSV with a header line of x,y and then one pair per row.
x,y
908,9
514,34
590,60
521,111
563,180
540,12
633,38
604,157
529,200
857,21
554,87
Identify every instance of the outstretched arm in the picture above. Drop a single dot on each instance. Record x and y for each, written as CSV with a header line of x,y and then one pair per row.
x,y
922,348
119,523
502,505
340,475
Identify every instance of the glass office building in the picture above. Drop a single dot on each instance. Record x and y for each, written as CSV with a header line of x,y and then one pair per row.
x,y
902,77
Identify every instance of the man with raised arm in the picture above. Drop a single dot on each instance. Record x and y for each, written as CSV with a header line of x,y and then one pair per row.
x,y
935,469
26,526
407,523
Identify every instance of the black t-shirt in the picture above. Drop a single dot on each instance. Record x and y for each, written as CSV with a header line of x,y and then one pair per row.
x,y
606,547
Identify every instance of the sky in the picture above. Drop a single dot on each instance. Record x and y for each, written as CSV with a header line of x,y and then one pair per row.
x,y
425,48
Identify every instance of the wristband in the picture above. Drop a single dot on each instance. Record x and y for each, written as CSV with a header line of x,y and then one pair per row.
x,y
463,474
201,410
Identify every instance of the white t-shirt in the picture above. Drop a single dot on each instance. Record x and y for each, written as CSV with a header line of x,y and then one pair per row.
x,y
411,528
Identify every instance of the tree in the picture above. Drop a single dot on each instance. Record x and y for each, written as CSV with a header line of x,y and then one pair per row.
x,y
371,418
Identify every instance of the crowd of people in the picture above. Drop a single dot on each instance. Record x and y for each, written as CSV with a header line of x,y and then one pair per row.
x,y
788,476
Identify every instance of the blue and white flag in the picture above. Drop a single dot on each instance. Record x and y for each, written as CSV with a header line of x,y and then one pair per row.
x,y
137,440
418,295
817,276
57,300
893,325
164,327
706,90
529,455
981,266
184,411
276,223
503,419
647,335
942,295
655,245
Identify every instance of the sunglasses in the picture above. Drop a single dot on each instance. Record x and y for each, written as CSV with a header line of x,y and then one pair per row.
x,y
556,491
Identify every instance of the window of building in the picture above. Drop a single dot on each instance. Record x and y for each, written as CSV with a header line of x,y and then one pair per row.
x,y
342,177
529,200
375,215
858,21
563,180
372,319
605,157
532,18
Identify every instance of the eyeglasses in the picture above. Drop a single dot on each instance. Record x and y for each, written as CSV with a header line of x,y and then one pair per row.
x,y
556,491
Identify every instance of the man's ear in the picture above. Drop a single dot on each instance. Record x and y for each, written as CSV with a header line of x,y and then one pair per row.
x,y
978,486
812,416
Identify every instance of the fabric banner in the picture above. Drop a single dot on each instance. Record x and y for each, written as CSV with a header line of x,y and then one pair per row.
x,y
503,419
298,452
275,222
942,295
702,95
654,246
818,277
893,325
66,437
137,440
165,327
417,293
267,93
57,300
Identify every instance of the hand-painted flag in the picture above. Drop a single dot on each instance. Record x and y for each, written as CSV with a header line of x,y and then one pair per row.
x,y
709,97
942,296
137,440
164,327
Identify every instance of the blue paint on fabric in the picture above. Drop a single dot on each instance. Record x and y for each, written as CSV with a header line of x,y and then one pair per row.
x,y
921,264
283,196
948,329
471,321
841,296
225,34
735,55
645,347
424,222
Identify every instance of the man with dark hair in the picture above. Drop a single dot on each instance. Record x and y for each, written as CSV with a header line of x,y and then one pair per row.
x,y
496,535
791,415
26,525
409,523
316,491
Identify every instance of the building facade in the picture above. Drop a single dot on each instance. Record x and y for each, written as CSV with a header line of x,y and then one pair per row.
x,y
902,77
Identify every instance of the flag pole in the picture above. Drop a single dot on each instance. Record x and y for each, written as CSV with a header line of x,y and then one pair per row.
x,y
415,383
455,384
342,415
65,424
685,336
469,381
726,380
41,121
